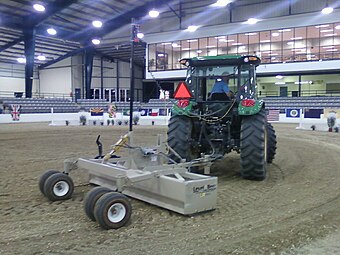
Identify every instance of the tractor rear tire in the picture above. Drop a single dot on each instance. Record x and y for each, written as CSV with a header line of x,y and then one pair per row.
x,y
43,179
112,210
271,143
91,198
58,186
179,138
254,146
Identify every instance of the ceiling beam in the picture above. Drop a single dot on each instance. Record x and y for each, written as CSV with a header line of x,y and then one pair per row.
x,y
11,44
67,55
115,23
51,10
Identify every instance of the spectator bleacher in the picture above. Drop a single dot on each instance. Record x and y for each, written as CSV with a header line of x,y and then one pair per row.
x,y
158,103
121,106
60,105
302,102
87,104
42,105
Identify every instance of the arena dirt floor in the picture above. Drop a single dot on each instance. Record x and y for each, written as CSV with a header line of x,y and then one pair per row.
x,y
295,211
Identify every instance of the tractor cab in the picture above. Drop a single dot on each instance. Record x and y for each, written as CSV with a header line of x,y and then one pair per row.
x,y
238,71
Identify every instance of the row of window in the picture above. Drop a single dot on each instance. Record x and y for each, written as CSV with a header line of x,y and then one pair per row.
x,y
311,43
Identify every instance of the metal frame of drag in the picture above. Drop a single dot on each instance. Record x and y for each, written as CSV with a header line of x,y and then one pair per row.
x,y
147,174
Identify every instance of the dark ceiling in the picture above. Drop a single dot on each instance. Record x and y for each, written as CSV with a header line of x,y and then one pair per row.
x,y
73,21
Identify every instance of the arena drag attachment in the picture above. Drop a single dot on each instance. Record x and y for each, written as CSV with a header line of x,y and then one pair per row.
x,y
145,174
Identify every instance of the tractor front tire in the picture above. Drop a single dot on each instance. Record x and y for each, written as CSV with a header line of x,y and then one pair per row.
x,y
179,138
271,143
254,146
112,210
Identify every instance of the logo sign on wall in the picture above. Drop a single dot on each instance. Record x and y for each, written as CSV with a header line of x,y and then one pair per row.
x,y
15,112
293,113
97,111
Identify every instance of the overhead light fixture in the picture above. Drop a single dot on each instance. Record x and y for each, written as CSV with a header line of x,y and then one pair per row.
x,y
280,83
192,40
175,45
51,31
21,60
321,26
199,51
285,30
337,27
303,82
153,13
265,41
328,35
328,47
97,23
140,35
41,57
332,50
327,10
192,28
95,41
326,30
275,34
252,21
39,7
280,77
290,43
221,3
237,43
296,38
166,43
226,40
250,34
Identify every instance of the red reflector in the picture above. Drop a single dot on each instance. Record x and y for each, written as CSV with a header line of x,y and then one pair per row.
x,y
183,103
248,102
182,91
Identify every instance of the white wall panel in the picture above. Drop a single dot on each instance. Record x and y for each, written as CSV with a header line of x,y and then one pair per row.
x,y
57,78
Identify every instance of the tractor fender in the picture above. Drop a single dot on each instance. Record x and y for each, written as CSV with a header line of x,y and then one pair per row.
x,y
251,110
186,111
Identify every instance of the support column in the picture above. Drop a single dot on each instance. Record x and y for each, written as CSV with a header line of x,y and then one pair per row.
x,y
102,77
117,87
300,85
29,40
89,53
134,39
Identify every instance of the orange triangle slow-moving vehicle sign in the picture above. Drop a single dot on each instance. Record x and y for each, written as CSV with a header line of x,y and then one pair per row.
x,y
182,91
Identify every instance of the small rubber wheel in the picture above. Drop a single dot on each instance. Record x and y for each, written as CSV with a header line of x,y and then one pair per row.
x,y
58,186
43,179
112,210
91,198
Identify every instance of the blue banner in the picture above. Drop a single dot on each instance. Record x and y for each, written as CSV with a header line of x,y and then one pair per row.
x,y
293,113
162,112
313,113
143,112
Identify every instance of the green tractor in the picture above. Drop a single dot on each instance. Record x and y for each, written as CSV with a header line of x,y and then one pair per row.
x,y
203,125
